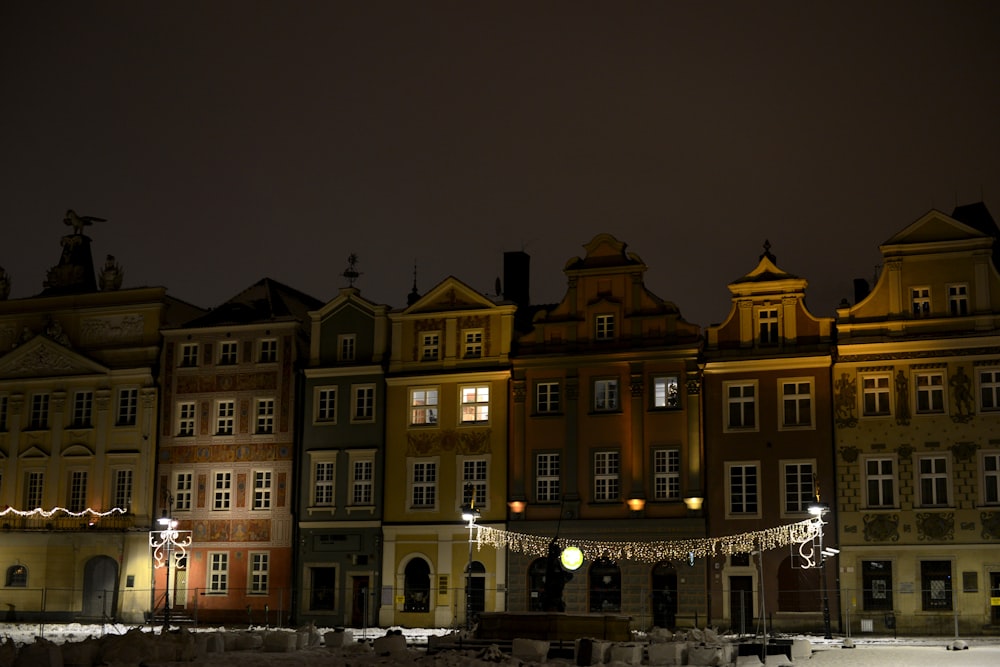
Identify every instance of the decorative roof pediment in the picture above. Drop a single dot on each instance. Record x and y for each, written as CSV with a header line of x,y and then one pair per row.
x,y
41,357
935,227
349,297
767,279
604,251
34,452
77,451
450,294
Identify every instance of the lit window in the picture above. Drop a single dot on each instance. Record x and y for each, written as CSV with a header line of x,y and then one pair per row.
x,y
78,490
958,300
347,347
767,326
475,404
83,408
604,326
796,403
741,405
423,484
474,479
225,417
875,394
17,576
183,491
666,474
666,393
605,395
189,355
920,298
933,481
39,411
262,489
128,403
991,478
323,481
880,481
423,406
185,419
123,489
430,346
364,403
267,351
265,415
605,476
227,352
547,397
259,564
799,487
326,405
930,393
473,344
547,478
218,573
222,491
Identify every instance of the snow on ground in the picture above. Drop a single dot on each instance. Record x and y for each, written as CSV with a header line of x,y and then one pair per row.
x,y
869,651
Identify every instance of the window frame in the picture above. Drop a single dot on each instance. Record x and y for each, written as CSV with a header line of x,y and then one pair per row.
x,y
549,479
225,419
189,355
877,391
607,395
920,301
182,487
748,499
122,489
938,478
989,479
347,347
40,411
229,353
928,574
548,402
430,346
729,401
222,495
262,484
929,390
799,506
880,476
479,468
869,592
183,419
604,327
127,406
258,572
83,408
666,473
34,489
431,411
992,386
217,573
662,400
958,299
324,461
472,405
325,405
606,471
768,328
423,464
264,418
267,351
797,398
363,401
366,458
77,489
473,342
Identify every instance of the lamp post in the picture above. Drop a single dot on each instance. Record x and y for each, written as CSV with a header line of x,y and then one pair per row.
x,y
469,513
819,510
168,543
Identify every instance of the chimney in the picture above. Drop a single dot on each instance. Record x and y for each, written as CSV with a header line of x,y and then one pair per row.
x,y
516,277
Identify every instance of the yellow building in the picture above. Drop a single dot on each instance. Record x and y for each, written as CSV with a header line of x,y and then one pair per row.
x,y
917,421
446,446
78,424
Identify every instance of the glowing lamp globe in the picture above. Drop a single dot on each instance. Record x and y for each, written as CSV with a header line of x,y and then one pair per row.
x,y
571,558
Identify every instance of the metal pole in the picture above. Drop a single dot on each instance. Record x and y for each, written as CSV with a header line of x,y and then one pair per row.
x,y
468,584
826,597
166,608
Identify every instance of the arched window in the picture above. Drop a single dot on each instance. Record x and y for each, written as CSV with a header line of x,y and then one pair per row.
x,y
798,588
664,599
17,576
536,584
605,586
417,586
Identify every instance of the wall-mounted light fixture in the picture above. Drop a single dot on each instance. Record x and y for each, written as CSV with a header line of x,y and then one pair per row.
x,y
694,502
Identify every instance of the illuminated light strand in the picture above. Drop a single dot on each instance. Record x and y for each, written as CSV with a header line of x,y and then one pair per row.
x,y
655,551
48,514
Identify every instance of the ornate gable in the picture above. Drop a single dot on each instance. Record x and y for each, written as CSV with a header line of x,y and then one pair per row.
x,y
41,357
935,227
450,294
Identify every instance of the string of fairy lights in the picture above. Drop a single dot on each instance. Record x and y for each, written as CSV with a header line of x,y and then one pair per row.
x,y
655,551
60,511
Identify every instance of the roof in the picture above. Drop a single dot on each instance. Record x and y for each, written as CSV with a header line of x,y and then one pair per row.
x,y
267,300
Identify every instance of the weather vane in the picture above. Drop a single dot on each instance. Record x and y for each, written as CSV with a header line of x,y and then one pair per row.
x,y
351,272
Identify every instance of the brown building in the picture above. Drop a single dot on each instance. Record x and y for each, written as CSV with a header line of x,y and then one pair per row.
x,y
768,446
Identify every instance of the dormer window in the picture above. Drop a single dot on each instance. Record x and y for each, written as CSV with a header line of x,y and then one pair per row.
x,y
473,343
430,346
921,300
958,300
604,327
767,326
347,347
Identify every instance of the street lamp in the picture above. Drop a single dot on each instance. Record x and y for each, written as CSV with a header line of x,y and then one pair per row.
x,y
469,513
819,510
168,543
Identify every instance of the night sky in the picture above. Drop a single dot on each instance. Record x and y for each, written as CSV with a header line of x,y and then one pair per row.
x,y
229,141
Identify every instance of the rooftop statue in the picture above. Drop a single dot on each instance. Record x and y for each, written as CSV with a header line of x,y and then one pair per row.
x,y
78,222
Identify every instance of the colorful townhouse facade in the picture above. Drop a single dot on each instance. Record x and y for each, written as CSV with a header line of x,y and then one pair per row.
x,y
226,455
769,450
916,392
606,442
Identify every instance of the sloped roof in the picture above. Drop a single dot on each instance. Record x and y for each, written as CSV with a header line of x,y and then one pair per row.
x,y
267,300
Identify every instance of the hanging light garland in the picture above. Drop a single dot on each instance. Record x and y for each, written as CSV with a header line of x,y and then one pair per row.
x,y
48,514
652,552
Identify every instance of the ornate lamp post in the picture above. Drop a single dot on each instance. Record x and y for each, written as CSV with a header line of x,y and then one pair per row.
x,y
470,513
819,510
168,543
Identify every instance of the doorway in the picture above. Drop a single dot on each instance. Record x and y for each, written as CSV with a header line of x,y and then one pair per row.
x,y
664,585
741,604
995,597
359,602
100,588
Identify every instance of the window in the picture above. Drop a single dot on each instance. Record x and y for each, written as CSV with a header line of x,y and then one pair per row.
x,y
473,344
935,585
930,393
267,351
743,489
183,491
78,490
991,478
604,327
666,474
363,409
423,484
875,394
767,326
799,487
933,481
876,580
122,495
17,576
547,397
323,483
34,488
323,586
222,491
605,586
741,406
128,403
958,300
989,390
265,415
83,409
227,352
417,586
39,411
666,392
347,347
920,297
225,417
262,489
362,482
605,476
4,407
189,355
185,420
259,562
429,346
475,404
423,406
605,395
796,403
326,405
880,481
547,478
474,482
218,573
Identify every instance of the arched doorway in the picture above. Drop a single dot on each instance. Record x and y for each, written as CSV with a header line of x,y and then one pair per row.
x,y
798,588
536,584
605,587
417,586
664,598
100,588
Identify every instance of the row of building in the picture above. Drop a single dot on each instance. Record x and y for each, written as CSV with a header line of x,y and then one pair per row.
x,y
319,455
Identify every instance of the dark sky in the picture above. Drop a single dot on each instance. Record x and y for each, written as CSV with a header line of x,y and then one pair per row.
x,y
228,141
